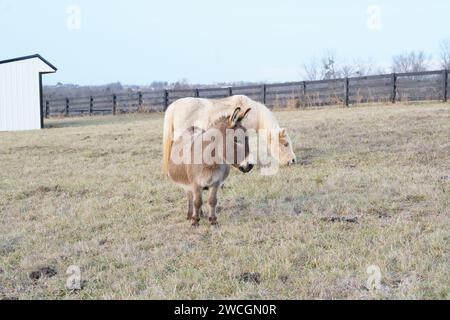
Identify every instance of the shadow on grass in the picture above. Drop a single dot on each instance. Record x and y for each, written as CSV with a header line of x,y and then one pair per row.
x,y
56,123
306,156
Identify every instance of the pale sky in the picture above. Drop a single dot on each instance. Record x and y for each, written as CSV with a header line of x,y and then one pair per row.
x,y
137,42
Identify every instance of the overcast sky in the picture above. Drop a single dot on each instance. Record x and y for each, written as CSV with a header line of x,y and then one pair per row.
x,y
206,41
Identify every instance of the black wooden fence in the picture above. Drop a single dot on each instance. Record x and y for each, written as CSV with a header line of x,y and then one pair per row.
x,y
386,88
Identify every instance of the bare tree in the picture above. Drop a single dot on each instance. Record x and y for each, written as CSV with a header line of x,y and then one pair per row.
x,y
445,54
364,68
334,67
346,70
311,70
181,84
323,68
410,62
329,66
357,68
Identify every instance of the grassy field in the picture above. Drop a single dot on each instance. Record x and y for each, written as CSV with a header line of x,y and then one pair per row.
x,y
372,188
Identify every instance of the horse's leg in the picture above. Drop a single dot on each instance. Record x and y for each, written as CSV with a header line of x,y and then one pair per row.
x,y
212,202
190,197
197,206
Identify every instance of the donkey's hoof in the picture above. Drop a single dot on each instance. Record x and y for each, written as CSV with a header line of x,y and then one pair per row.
x,y
189,216
195,222
213,221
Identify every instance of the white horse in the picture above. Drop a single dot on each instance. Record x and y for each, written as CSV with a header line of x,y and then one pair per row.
x,y
187,112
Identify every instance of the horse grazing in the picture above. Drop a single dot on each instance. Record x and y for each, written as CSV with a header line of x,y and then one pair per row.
x,y
187,112
218,154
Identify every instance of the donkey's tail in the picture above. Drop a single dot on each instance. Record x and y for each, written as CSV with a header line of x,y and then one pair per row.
x,y
167,138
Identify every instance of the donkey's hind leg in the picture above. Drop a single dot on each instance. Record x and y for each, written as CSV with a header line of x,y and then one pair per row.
x,y
190,197
212,202
197,197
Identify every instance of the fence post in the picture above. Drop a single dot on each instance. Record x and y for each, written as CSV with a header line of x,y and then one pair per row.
x,y
445,84
166,99
394,87
197,93
264,93
140,101
91,105
304,94
114,104
230,91
47,108
347,92
67,106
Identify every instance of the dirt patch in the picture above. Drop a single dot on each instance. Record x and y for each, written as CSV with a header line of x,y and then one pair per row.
x,y
51,190
341,219
415,198
298,209
44,272
39,191
42,189
283,278
250,277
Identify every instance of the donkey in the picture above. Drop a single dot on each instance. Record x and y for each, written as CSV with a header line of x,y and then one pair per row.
x,y
213,168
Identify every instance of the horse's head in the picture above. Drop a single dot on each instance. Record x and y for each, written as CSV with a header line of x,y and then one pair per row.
x,y
286,155
241,155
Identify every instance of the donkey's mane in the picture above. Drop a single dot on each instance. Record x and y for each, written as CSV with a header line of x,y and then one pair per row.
x,y
265,118
219,121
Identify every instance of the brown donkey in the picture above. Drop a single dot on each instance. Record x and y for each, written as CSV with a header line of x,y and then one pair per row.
x,y
200,160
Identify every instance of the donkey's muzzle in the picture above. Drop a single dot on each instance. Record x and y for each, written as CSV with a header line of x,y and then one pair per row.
x,y
246,168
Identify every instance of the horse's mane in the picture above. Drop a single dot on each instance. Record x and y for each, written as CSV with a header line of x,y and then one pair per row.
x,y
266,118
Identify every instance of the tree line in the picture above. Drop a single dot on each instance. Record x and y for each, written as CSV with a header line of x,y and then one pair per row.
x,y
329,66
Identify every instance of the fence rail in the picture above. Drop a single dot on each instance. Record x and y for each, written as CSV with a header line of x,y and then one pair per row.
x,y
415,86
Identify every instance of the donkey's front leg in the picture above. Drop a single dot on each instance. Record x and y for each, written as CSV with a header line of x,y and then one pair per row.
x,y
197,206
212,202
190,198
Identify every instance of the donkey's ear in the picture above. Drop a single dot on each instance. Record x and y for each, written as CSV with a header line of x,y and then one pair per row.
x,y
283,133
233,120
243,115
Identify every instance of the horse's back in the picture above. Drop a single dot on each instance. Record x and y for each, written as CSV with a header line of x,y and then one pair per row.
x,y
201,112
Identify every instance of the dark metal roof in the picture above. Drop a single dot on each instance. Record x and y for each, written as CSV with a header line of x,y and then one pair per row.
x,y
30,57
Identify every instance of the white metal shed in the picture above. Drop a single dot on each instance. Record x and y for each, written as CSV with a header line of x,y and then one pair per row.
x,y
21,106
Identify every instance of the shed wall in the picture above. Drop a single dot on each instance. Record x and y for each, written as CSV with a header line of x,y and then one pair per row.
x,y
20,95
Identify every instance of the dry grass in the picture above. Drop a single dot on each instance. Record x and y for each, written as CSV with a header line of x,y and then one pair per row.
x,y
372,189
